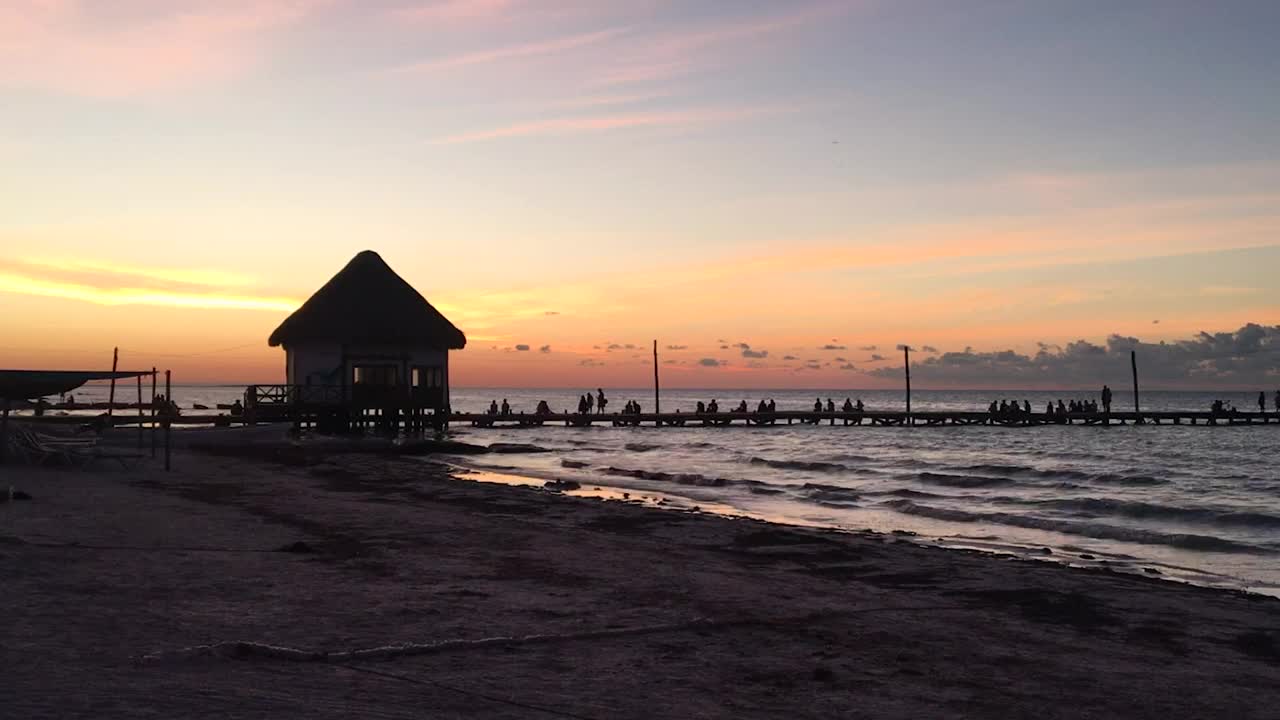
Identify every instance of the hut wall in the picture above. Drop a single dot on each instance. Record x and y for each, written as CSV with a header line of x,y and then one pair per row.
x,y
314,364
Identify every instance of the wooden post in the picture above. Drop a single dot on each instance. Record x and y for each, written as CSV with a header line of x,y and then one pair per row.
x,y
111,395
167,420
153,412
1133,362
4,433
906,364
140,415
657,402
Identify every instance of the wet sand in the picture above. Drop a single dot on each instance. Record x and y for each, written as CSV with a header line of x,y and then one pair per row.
x,y
597,609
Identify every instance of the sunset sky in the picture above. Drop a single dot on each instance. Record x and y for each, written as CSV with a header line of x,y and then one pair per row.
x,y
780,193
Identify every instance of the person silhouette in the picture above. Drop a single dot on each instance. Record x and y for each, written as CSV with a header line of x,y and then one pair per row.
x,y
701,407
506,407
1106,399
848,405
590,402
1262,402
601,400
817,405
857,406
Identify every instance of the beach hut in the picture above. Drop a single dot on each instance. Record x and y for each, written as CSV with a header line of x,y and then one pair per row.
x,y
368,339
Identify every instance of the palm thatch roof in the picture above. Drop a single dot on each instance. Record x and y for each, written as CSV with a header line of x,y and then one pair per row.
x,y
367,302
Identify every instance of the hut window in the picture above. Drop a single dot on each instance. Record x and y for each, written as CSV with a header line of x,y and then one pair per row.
x,y
428,376
375,374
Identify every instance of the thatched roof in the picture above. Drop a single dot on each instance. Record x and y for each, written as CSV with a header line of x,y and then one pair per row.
x,y
367,302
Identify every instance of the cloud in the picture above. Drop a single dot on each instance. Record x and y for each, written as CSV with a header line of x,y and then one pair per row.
x,y
591,362
522,51
848,366
104,283
724,347
876,358
578,124
840,359
742,346
710,362
868,348
929,349
611,347
833,347
449,11
1247,357
749,353
790,357
522,348
677,347
68,47
550,313
544,349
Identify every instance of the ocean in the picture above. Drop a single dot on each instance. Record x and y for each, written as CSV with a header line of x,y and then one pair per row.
x,y
1194,503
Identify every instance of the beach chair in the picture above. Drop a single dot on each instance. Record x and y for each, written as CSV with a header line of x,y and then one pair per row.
x,y
82,452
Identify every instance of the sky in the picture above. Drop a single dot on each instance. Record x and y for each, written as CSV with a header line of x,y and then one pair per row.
x,y
781,194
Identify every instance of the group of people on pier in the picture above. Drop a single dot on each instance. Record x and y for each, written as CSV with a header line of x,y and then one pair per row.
x,y
587,403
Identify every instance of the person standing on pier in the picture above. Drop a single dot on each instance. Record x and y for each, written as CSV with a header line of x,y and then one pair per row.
x,y
601,400
1262,402
1106,399
590,402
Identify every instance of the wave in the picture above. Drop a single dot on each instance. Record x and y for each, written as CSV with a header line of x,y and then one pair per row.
x,y
814,466
1186,541
1025,471
1131,480
964,481
1136,509
641,447
574,464
679,478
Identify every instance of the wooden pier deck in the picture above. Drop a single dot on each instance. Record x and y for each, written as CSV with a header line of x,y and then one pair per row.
x,y
873,418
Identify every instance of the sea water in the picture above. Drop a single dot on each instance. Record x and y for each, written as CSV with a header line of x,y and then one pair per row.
x,y
1197,503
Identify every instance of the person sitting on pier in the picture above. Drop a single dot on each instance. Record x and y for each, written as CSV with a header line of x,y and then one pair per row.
x,y
543,408
601,400
582,404
1026,406
1073,407
817,405
848,405
1004,407
237,409
71,399
773,406
831,405
762,407
857,406
493,407
742,407
506,407
635,407
701,407
993,408
1216,407
1062,409
1048,409
713,406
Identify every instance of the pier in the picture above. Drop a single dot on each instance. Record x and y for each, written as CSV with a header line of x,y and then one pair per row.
x,y
872,418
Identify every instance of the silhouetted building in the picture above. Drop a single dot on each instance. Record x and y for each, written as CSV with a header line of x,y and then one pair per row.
x,y
368,334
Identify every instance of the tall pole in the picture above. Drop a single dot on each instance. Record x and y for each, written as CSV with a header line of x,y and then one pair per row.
x,y
906,365
153,411
1133,362
140,416
111,396
4,432
167,419
657,402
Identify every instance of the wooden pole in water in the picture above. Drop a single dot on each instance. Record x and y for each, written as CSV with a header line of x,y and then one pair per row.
x,y
906,364
657,401
153,411
167,420
4,433
111,395
1133,362
140,415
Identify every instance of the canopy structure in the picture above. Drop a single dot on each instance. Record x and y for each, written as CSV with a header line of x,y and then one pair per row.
x,y
29,384
367,302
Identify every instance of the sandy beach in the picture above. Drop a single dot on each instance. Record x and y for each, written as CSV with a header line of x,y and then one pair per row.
x,y
484,600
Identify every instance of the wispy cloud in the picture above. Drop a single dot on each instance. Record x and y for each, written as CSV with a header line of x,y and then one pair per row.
x,y
520,51
598,123
74,48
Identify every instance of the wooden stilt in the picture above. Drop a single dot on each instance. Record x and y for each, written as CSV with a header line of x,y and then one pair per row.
x,y
906,365
168,398
657,398
111,395
153,412
140,415
4,432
